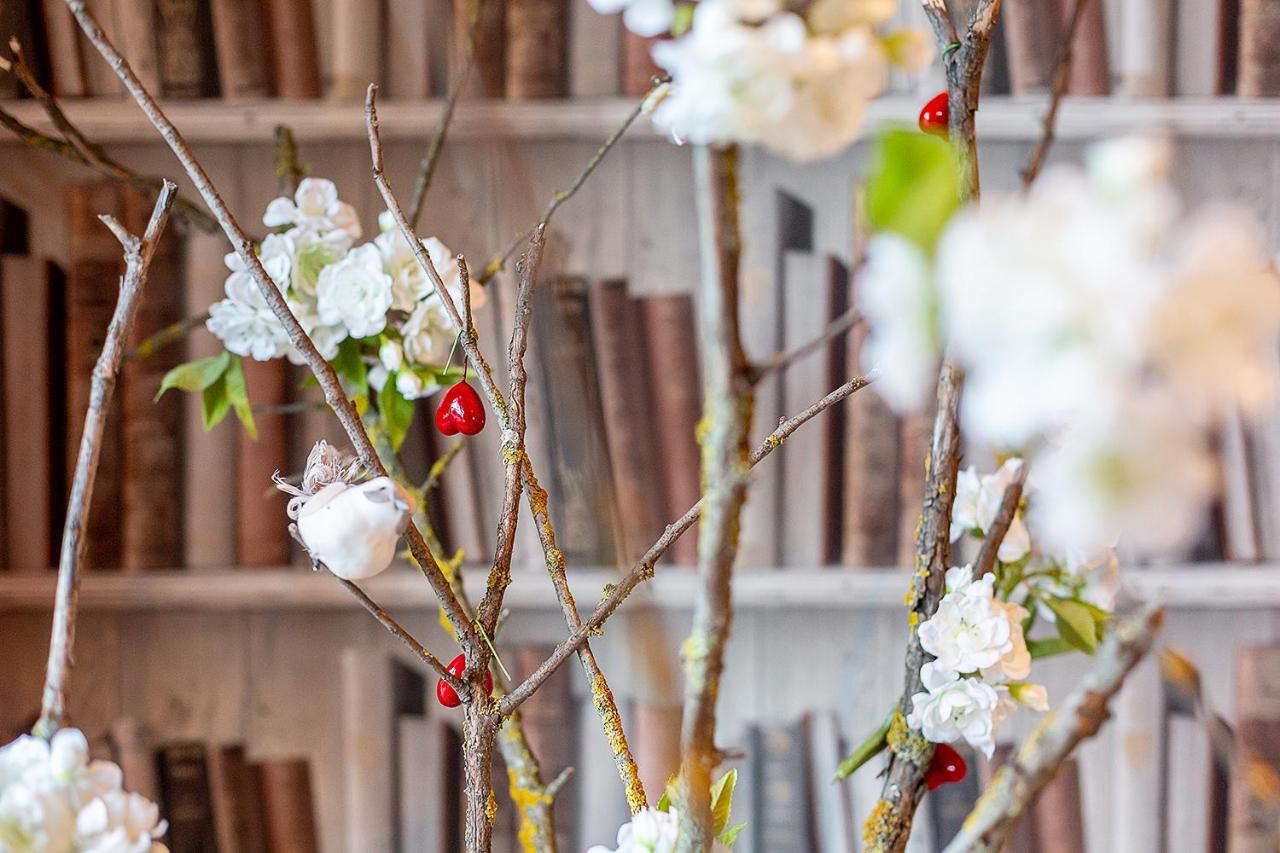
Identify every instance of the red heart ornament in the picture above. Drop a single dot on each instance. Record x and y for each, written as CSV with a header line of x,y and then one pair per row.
x,y
446,695
947,766
935,118
461,410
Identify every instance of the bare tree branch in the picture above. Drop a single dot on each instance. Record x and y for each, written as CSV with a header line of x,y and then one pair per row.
x,y
324,373
1005,514
1015,787
400,633
431,158
1061,77
783,360
137,254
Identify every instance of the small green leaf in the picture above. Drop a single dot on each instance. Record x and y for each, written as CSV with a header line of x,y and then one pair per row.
x,y
238,396
351,368
446,377
214,403
913,186
1075,623
668,794
195,375
682,20
397,412
867,750
1048,647
730,835
722,799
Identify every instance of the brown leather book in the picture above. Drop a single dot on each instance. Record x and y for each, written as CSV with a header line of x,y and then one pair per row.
x,y
236,794
357,44
1252,818
836,424
407,60
92,285
1032,35
185,801
1058,816
913,448
295,65
626,395
137,22
489,70
537,54
100,80
1259,71
152,451
1090,63
240,44
66,63
671,343
638,67
184,36
262,535
288,807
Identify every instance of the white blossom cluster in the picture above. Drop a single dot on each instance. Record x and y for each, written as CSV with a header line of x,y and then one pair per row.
x,y
651,831
374,292
752,71
53,799
1096,327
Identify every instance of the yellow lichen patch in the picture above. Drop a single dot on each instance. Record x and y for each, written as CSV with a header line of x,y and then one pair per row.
x,y
882,824
490,808
611,722
913,618
701,428
555,561
511,454
905,742
774,441
528,803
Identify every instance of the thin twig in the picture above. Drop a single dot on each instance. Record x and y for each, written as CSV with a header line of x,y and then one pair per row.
x,y
1061,77
1016,785
783,360
296,408
430,159
169,335
561,196
398,631
137,255
324,372
289,169
1005,514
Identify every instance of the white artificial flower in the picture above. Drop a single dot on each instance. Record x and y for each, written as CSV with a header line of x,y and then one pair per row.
x,y
977,503
897,298
968,632
1015,664
378,377
246,330
355,292
410,283
1034,696
954,708
428,334
391,354
1129,165
313,252
314,208
412,386
276,254
651,831
643,17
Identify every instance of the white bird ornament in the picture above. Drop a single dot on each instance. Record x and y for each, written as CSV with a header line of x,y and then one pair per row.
x,y
353,527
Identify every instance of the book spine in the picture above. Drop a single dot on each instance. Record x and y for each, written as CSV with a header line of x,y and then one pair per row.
x,y
136,21
1058,817
356,40
1031,38
65,59
240,45
1144,56
25,318
489,67
100,80
537,32
237,801
1090,66
1257,730
804,468
262,534
625,395
835,370
673,365
913,452
152,432
185,38
785,821
638,67
184,792
407,64
595,45
96,264
295,64
1259,70
287,805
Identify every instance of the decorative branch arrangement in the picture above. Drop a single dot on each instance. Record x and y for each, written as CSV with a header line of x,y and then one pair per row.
x,y
377,325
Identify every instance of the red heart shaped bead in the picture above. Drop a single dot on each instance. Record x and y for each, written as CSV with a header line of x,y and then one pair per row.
x,y
461,410
947,766
446,695
935,118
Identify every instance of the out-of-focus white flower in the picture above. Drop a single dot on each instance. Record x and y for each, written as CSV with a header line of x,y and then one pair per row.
x,y
412,386
1015,664
355,292
428,334
1129,164
977,503
642,17
836,16
315,208
1034,696
799,93
954,708
896,296
651,831
391,354
968,632
378,377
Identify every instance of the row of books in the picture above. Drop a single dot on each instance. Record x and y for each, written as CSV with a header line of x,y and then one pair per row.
x,y
306,49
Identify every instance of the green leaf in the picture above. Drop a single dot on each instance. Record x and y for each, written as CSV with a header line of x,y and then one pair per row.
x,y
238,396
668,794
350,367
730,835
397,412
1075,623
446,377
214,403
867,750
722,799
913,186
195,375
1048,647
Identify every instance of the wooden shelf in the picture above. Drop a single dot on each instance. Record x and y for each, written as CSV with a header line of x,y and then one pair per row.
x,y
1210,586
1001,118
